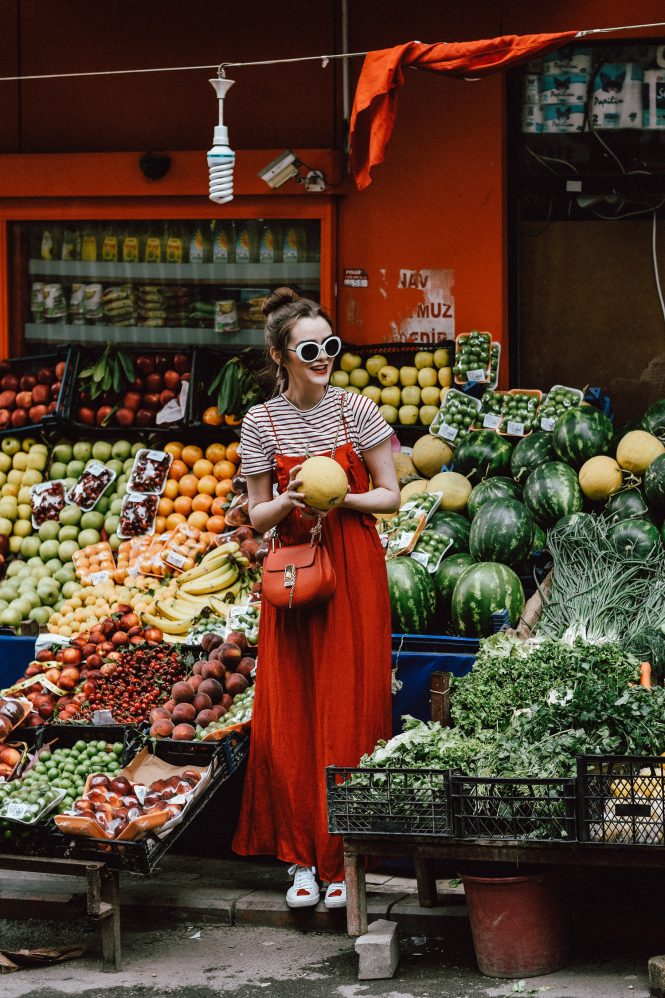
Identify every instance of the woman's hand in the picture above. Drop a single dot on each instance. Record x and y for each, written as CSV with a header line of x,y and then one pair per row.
x,y
294,498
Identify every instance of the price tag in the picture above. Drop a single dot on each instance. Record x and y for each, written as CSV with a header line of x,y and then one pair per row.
x,y
141,791
478,374
514,429
175,559
97,577
491,421
156,455
102,717
403,541
97,469
547,423
16,810
420,556
448,432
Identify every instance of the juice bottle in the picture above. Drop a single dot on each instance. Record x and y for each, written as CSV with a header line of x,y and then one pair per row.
x,y
247,242
131,245
174,243
269,242
71,245
110,245
199,243
153,246
294,245
89,247
50,243
224,240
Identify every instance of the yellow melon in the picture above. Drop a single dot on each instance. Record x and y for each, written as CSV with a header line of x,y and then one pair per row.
x,y
323,483
412,489
430,453
455,490
404,467
600,477
637,449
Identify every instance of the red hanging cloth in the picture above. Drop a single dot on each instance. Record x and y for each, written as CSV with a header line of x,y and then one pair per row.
x,y
375,103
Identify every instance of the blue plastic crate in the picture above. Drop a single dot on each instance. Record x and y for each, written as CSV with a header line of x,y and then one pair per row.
x,y
16,653
416,657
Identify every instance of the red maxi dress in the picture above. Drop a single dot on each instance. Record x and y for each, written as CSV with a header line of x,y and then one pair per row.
x,y
323,687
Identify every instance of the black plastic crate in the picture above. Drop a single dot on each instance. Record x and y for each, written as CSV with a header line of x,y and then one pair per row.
x,y
30,364
143,855
388,801
507,808
67,735
621,799
68,404
207,365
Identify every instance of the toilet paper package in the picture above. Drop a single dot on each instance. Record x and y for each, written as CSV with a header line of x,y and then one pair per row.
x,y
532,118
531,91
653,99
564,88
570,59
616,101
563,118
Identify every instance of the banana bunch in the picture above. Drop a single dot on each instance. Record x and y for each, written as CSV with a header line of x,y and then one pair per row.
x,y
220,578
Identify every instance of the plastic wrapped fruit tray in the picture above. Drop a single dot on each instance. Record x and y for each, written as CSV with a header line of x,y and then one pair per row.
x,y
11,384
143,855
388,801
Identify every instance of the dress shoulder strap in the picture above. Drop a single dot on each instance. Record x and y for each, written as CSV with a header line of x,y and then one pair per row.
x,y
272,423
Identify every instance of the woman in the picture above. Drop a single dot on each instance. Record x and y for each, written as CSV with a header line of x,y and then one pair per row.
x,y
323,697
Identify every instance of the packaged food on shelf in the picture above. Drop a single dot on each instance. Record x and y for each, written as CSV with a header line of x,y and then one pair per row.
x,y
519,414
137,515
46,501
90,487
472,357
150,472
401,533
455,417
28,804
94,564
184,545
128,557
150,562
557,401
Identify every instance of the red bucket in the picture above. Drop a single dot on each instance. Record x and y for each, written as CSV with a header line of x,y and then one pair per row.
x,y
519,924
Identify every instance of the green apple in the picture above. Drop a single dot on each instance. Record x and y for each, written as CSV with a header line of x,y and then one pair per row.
x,y
391,396
40,614
66,550
428,414
92,520
3,476
115,465
31,596
23,606
32,477
115,542
350,361
49,530
24,511
17,567
48,549
339,379
14,544
388,376
11,445
8,508
70,589
423,359
373,393
136,447
54,565
408,376
352,388
62,453
359,377
102,505
65,574
389,413
28,443
69,483
88,537
75,468
48,597
127,467
115,506
22,529
5,462
121,450
102,450
82,450
111,524
36,460
68,533
10,617
121,490
375,363
15,477
20,462
70,516
430,396
427,377
5,527
408,415
411,395
57,471
29,546
34,562
441,357
24,495
3,604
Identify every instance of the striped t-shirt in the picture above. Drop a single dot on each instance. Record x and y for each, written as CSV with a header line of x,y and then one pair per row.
x,y
309,432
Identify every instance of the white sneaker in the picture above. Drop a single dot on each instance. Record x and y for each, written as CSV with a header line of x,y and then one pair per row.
x,y
336,895
304,892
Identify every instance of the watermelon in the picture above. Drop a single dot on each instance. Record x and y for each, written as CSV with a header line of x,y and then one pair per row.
x,y
502,530
654,419
539,540
492,488
482,590
626,505
445,579
581,433
552,491
454,526
529,453
635,538
483,453
412,595
654,484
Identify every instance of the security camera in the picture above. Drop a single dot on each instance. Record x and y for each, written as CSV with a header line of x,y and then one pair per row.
x,y
281,169
154,165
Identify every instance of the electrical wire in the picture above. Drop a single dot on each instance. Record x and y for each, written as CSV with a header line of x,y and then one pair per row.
x,y
629,214
655,264
550,159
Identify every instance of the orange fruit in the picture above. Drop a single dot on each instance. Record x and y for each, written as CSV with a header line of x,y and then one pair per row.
x,y
207,485
224,487
216,452
202,503
198,520
191,454
183,504
202,467
160,524
225,469
188,486
232,420
171,489
174,447
216,524
164,507
218,506
174,519
178,469
211,416
232,452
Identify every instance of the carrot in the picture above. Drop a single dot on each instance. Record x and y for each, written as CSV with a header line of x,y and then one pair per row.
x,y
645,675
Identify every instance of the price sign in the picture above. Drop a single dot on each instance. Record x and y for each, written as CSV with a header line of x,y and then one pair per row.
x,y
17,810
479,374
175,559
514,429
97,577
448,432
491,421
547,423
421,557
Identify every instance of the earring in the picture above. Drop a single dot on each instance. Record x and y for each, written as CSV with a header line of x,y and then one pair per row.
x,y
280,380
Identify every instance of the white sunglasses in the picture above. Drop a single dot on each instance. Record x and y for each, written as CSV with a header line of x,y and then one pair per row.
x,y
310,350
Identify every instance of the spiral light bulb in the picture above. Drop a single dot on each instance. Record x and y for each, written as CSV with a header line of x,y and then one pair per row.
x,y
221,158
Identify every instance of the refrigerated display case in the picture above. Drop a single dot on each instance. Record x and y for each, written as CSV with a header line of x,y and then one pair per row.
x,y
169,278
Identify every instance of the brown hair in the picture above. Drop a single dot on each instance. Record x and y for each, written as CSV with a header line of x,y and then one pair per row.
x,y
282,309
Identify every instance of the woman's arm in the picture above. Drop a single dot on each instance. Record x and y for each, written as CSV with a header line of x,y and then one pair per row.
x,y
265,511
384,497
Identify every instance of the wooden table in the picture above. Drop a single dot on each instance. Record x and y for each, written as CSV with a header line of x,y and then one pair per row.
x,y
101,889
425,848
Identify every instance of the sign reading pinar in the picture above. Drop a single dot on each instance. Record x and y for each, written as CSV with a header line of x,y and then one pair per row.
x,y
428,314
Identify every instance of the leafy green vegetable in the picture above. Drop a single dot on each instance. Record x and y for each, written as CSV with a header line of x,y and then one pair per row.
x,y
114,369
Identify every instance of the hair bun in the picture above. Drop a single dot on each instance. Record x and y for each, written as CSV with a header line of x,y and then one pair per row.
x,y
278,298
